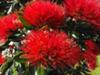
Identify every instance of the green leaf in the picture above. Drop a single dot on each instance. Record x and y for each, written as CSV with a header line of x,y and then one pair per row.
x,y
26,25
98,60
9,63
5,66
40,70
14,70
21,60
75,35
96,71
27,71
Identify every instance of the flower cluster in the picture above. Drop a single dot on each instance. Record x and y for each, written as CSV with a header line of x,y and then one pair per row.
x,y
51,47
8,24
1,60
57,49
88,10
90,54
44,13
55,37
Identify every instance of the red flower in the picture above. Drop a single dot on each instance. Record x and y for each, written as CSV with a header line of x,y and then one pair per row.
x,y
90,54
1,60
92,46
3,38
44,13
51,48
88,10
90,58
8,24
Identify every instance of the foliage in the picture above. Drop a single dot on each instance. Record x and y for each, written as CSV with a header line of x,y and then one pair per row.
x,y
49,37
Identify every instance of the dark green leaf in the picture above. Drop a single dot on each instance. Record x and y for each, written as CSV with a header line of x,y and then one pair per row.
x,y
26,25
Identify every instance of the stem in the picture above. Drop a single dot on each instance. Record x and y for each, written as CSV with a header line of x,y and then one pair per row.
x,y
40,70
27,71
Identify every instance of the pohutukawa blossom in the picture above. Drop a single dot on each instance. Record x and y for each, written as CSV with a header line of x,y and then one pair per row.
x,y
3,37
1,59
8,24
90,54
3,41
44,13
92,46
88,10
52,48
90,58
